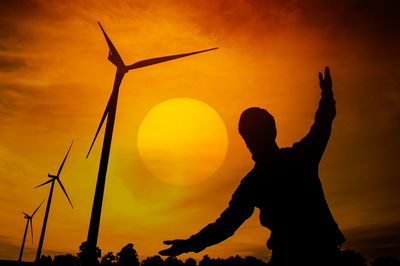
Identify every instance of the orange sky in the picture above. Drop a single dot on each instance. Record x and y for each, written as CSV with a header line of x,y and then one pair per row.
x,y
55,81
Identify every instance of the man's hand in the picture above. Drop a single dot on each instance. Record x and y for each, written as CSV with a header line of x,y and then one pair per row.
x,y
178,247
325,82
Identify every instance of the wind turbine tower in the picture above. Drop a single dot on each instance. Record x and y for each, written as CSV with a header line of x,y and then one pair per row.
x,y
28,221
52,180
109,113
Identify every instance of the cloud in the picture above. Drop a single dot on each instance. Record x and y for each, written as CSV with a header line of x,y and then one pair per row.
x,y
376,240
15,16
259,17
374,17
10,251
11,95
11,64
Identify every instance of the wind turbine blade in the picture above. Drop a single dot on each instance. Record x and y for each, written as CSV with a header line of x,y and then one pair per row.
x,y
25,214
158,60
30,221
101,123
65,158
36,209
48,181
114,53
65,192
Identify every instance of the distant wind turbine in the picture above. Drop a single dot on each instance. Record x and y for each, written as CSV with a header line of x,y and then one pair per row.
x,y
52,180
28,221
109,113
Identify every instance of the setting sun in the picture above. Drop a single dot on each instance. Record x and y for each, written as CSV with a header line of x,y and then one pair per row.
x,y
182,141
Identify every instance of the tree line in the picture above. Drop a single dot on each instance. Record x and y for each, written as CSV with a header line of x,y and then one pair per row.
x,y
128,256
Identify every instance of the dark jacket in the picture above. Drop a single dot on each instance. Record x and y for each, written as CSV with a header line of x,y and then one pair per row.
x,y
288,192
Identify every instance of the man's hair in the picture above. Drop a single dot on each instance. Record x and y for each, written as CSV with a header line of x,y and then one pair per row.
x,y
257,124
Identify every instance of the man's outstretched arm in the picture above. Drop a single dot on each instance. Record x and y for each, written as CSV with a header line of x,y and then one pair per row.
x,y
240,209
315,142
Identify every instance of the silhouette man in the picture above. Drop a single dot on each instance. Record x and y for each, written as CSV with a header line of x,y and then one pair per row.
x,y
285,186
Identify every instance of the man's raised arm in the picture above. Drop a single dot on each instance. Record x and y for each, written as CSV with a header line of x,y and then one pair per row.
x,y
240,209
315,142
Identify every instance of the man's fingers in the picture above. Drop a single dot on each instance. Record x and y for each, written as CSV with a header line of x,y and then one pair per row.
x,y
171,242
327,73
162,252
321,80
328,79
171,252
178,247
165,252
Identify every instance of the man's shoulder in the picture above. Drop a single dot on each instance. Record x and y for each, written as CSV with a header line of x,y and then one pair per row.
x,y
250,175
249,178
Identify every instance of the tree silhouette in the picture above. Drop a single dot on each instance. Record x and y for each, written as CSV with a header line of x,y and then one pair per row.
x,y
83,254
349,257
108,258
128,256
237,260
190,262
66,260
205,261
154,260
249,260
172,261
45,260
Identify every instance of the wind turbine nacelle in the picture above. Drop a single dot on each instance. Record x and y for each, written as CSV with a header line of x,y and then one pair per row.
x,y
116,60
52,176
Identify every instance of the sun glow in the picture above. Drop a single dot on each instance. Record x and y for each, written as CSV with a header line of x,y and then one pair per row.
x,y
182,141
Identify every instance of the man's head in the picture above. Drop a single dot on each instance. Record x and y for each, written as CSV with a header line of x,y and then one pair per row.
x,y
257,127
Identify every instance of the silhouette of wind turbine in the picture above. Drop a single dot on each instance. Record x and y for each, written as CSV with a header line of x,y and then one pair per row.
x,y
52,180
122,69
28,220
